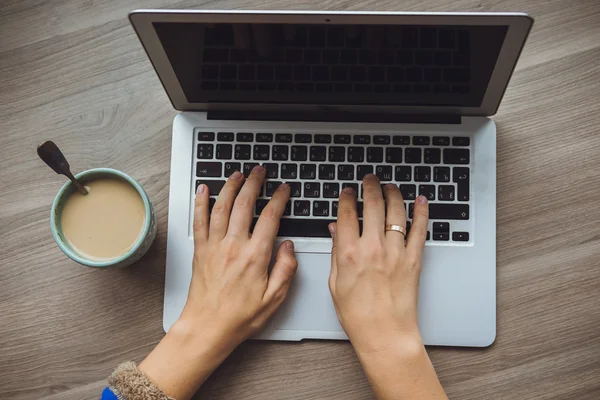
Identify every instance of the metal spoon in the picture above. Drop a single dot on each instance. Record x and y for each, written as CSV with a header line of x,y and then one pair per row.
x,y
51,155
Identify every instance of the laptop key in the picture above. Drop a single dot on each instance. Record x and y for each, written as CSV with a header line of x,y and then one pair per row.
x,y
422,174
445,211
288,209
264,137
224,151
289,171
401,140
393,155
460,175
446,192
331,190
362,139
301,208
441,231
441,174
403,173
299,153
231,167
271,187
323,138
409,192
456,156
461,141
261,152
283,138
205,151
412,155
342,139
214,187
374,154
334,208
421,140
295,189
304,227
206,136
460,236
359,208
354,186
308,171
326,171
346,172
318,153
441,141
320,208
209,169
272,170
225,136
362,170
427,191
432,156
248,168
279,153
384,172
260,206
337,154
356,154
245,137
242,151
312,189
381,139
302,138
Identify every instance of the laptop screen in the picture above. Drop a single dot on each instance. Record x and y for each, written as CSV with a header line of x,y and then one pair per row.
x,y
330,64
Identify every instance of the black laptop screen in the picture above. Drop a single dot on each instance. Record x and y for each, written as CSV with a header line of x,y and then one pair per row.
x,y
333,64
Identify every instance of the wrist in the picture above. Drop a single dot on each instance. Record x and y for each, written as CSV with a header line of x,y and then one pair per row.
x,y
203,333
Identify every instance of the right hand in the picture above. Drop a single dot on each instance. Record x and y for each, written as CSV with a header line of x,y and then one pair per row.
x,y
374,278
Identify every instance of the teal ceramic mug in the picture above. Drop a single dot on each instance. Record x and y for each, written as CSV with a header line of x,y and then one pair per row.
x,y
139,248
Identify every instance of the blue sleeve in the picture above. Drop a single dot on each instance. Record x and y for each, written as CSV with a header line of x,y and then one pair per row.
x,y
107,394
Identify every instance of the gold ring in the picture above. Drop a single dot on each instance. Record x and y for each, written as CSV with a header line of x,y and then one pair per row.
x,y
396,228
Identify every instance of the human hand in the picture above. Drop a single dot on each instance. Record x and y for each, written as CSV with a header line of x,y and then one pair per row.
x,y
231,288
374,278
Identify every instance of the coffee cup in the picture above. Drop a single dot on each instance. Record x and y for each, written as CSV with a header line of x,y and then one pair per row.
x,y
112,226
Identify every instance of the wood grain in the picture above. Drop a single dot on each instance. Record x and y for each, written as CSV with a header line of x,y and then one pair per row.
x,y
73,71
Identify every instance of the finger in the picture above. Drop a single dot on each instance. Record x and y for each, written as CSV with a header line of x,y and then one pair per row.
x,y
243,207
347,219
268,222
374,208
219,217
396,214
201,206
282,273
241,36
263,39
333,273
418,230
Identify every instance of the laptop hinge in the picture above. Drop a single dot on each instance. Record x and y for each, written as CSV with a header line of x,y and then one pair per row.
x,y
333,116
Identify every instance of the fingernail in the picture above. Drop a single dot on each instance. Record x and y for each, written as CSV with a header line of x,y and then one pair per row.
x,y
258,169
236,175
283,186
422,200
332,229
290,246
370,176
201,189
348,190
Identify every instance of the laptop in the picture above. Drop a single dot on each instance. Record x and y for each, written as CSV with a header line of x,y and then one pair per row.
x,y
321,99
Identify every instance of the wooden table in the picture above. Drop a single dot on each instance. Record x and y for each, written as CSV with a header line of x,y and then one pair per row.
x,y
73,71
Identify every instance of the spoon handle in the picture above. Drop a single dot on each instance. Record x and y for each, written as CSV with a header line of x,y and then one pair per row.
x,y
51,155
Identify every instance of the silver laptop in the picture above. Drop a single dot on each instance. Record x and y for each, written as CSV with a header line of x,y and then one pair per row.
x,y
321,99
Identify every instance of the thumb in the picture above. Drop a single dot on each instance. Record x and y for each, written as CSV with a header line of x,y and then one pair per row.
x,y
282,273
333,273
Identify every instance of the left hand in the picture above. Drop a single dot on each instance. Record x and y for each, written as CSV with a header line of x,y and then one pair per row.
x,y
231,286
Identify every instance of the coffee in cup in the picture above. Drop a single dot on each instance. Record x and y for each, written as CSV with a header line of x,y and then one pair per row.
x,y
112,225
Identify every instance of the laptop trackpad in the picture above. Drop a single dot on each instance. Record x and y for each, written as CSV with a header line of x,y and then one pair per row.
x,y
308,306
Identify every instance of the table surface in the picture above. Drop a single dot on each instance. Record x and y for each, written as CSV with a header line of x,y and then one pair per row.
x,y
73,71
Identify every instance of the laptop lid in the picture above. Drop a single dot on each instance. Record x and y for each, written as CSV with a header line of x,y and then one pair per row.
x,y
383,62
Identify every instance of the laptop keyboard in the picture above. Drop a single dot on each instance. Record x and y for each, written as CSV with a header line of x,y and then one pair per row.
x,y
317,166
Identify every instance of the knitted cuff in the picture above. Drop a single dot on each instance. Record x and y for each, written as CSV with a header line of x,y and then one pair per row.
x,y
127,382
